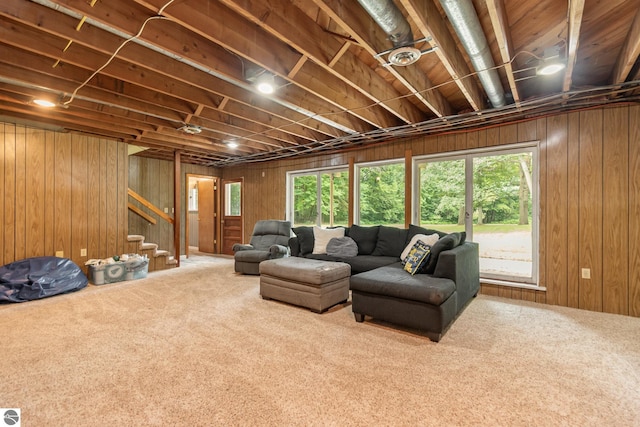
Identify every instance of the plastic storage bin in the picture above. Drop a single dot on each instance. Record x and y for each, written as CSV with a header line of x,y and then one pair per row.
x,y
119,271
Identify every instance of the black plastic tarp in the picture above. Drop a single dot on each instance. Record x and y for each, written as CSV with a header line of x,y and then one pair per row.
x,y
39,277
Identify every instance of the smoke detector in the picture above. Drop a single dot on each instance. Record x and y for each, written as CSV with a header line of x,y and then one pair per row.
x,y
191,129
404,56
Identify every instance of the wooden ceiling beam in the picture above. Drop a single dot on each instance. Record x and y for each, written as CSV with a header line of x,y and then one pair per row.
x,y
502,31
295,28
426,16
576,10
629,53
224,27
191,46
355,21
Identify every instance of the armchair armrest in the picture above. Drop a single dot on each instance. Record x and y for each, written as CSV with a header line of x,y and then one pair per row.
x,y
237,247
278,251
462,265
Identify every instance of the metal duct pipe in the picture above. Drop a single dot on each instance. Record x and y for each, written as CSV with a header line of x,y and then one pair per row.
x,y
388,16
464,19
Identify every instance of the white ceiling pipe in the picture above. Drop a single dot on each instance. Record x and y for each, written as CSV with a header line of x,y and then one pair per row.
x,y
464,20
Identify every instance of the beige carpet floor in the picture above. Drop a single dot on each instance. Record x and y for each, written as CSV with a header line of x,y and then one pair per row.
x,y
197,346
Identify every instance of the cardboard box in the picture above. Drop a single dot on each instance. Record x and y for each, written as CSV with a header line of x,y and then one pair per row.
x,y
118,272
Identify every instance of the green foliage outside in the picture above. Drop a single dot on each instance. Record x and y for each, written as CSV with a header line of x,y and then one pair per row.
x,y
334,198
382,195
500,191
234,198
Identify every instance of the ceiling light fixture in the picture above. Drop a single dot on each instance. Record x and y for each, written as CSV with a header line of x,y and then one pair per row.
x,y
404,56
232,144
191,129
44,103
551,62
266,84
547,68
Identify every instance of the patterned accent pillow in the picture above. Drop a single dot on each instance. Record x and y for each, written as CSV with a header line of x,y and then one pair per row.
x,y
417,258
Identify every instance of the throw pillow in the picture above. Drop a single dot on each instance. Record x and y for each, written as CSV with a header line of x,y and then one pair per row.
x,y
414,229
342,247
365,238
430,240
305,239
449,241
391,241
322,236
417,258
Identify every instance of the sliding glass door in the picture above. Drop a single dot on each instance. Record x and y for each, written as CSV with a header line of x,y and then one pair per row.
x,y
493,197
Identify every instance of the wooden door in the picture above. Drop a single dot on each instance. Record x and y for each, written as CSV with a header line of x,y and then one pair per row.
x,y
206,216
232,207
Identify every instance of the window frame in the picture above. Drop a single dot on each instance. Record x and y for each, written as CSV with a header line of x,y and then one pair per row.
x,y
318,172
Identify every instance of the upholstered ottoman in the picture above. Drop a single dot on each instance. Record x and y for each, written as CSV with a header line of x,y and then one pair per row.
x,y
309,283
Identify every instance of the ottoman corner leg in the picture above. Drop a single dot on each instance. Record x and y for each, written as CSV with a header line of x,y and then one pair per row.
x,y
359,317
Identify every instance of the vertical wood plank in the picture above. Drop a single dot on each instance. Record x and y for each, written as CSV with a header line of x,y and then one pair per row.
x,y
9,192
62,198
20,224
123,185
615,214
541,130
591,208
634,211
527,131
93,198
79,197
49,193
35,192
103,189
508,134
111,192
556,218
573,209
493,136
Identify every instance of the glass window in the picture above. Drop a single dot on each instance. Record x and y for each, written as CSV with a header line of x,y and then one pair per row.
x,y
380,194
491,196
233,199
319,197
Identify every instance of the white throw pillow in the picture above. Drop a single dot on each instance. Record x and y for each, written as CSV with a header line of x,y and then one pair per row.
x,y
321,237
430,240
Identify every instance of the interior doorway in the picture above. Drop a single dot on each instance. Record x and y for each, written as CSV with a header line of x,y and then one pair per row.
x,y
202,203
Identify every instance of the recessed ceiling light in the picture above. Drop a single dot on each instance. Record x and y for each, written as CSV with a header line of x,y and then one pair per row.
x,y
44,103
266,84
549,68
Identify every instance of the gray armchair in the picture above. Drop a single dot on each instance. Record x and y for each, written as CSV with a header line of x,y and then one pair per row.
x,y
270,239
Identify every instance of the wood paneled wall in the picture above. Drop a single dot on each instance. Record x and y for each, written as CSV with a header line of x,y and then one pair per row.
x,y
153,180
589,188
61,192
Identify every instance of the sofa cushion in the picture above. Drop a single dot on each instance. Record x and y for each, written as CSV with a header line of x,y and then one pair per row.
x,y
321,237
362,263
430,240
391,241
445,243
305,239
342,247
253,256
393,281
365,237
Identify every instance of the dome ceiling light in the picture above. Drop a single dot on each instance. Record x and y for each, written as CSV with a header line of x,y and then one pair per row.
x,y
190,129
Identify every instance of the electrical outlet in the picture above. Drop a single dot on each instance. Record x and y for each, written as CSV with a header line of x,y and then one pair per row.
x,y
83,252
60,254
586,273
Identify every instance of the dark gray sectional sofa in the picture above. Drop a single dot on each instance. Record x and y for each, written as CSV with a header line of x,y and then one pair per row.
x,y
380,287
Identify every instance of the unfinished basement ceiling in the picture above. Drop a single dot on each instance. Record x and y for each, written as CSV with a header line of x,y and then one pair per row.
x,y
188,81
